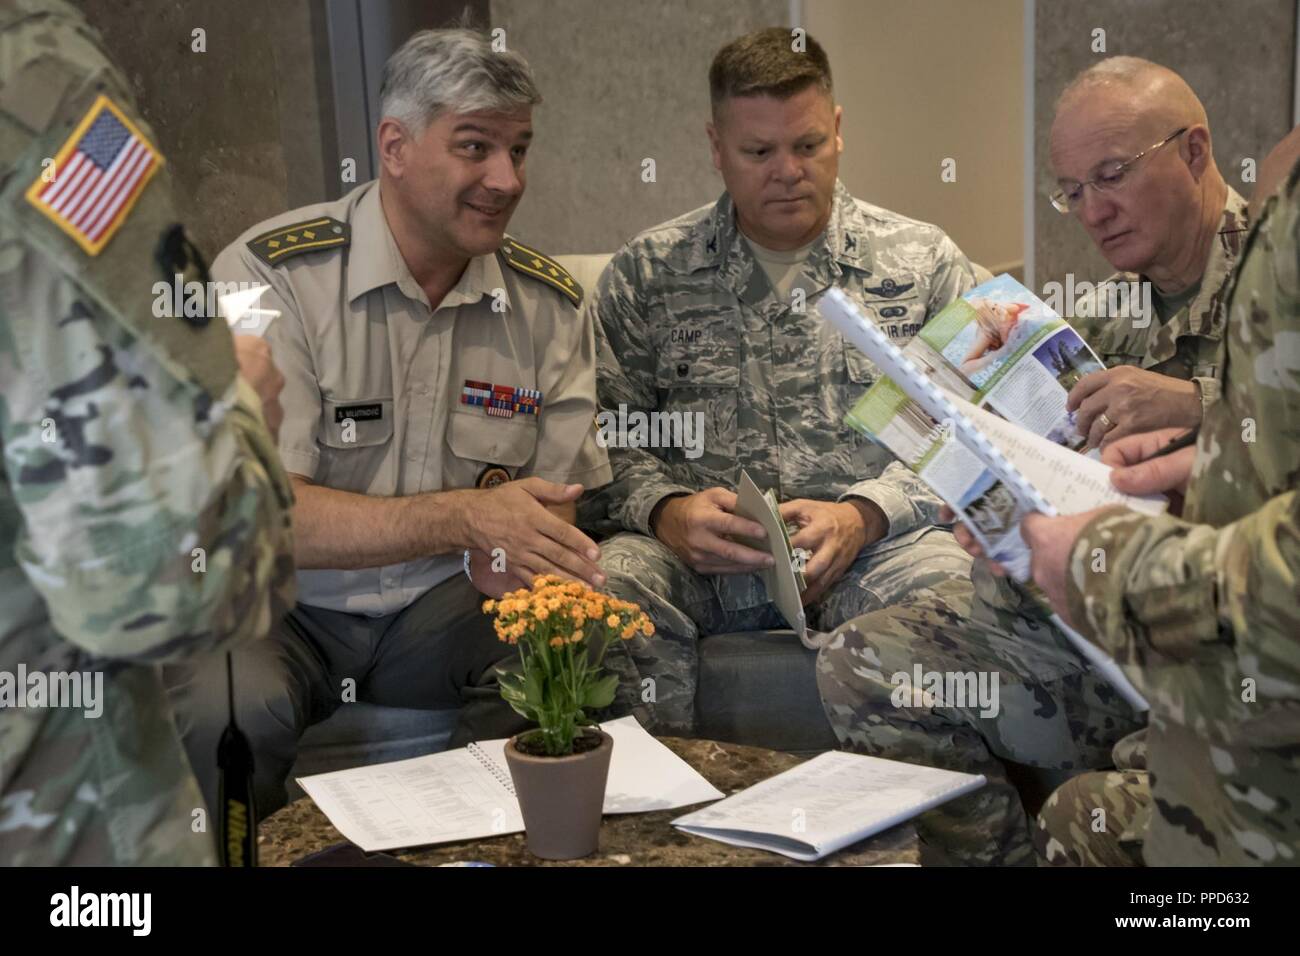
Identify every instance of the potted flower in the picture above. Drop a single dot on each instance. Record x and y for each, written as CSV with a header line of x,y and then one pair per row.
x,y
563,629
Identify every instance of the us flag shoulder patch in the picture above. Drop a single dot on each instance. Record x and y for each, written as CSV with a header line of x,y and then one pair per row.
x,y
99,173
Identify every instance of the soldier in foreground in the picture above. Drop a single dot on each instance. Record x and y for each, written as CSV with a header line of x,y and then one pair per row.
x,y
144,516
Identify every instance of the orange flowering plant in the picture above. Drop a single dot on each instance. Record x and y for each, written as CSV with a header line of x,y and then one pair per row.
x,y
563,629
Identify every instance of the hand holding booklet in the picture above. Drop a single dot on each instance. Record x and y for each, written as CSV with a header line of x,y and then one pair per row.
x,y
784,581
975,404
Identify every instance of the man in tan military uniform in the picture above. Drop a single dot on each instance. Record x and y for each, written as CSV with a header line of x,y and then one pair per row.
x,y
439,414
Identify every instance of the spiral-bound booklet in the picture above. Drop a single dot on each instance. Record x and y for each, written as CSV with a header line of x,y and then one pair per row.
x,y
466,794
975,404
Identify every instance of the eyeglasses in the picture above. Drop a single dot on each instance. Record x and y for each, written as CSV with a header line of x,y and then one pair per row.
x,y
1111,176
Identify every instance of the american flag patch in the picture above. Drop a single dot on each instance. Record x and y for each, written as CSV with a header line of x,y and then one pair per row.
x,y
99,174
501,400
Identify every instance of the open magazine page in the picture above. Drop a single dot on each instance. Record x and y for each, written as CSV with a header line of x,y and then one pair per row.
x,y
949,416
1002,349
955,472
1018,357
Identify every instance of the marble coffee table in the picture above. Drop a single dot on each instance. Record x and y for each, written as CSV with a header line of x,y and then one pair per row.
x,y
633,839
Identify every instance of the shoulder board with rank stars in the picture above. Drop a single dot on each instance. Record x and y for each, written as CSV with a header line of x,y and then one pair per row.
x,y
533,263
310,235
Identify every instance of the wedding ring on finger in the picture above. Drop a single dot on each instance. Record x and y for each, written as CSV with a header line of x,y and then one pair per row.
x,y
1106,423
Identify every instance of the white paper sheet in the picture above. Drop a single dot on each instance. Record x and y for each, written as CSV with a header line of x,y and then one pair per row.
x,y
1071,482
455,795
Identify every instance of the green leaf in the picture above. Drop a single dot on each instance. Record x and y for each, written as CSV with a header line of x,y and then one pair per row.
x,y
532,687
512,685
514,694
600,693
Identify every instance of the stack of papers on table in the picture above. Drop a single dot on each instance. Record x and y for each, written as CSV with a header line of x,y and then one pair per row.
x,y
466,794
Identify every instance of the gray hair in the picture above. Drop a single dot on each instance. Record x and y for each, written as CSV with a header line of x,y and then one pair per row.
x,y
454,69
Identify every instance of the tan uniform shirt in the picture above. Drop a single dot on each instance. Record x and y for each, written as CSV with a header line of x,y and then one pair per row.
x,y
374,377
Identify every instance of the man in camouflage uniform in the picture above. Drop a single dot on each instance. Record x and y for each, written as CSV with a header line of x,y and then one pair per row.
x,y
1201,609
1184,228
710,317
1184,342
131,449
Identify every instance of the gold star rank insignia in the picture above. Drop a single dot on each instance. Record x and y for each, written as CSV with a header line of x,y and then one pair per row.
x,y
285,242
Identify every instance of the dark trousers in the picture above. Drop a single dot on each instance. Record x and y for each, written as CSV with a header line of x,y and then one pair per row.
x,y
438,653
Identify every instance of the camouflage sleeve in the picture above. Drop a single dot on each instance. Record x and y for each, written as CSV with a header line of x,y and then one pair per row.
x,y
1139,585
1209,389
154,517
625,376
906,501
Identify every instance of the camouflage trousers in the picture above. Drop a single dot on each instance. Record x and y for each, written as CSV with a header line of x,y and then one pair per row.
x,y
659,674
995,686
107,790
1099,818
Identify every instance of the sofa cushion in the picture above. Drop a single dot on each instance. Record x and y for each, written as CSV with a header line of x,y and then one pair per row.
x,y
760,688
585,269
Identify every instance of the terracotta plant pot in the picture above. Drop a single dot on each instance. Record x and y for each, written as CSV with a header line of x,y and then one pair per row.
x,y
561,798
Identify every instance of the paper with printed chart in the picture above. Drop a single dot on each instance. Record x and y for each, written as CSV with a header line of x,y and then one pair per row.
x,y
826,804
976,406
467,794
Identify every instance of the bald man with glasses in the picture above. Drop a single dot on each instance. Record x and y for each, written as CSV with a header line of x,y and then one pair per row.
x,y
1132,152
